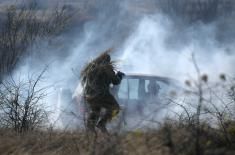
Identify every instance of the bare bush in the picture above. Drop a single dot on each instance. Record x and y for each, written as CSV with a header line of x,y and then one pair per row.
x,y
206,118
21,106
21,28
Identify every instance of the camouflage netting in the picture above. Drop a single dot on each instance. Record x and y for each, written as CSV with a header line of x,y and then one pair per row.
x,y
96,78
97,68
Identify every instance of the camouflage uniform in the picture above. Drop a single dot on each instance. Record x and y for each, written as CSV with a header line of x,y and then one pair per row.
x,y
97,77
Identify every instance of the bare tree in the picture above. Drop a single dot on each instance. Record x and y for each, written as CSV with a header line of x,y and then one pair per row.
x,y
21,28
207,111
21,106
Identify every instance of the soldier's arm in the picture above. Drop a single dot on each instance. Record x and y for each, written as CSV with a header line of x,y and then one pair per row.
x,y
117,78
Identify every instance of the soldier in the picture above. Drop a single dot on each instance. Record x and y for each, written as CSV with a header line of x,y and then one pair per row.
x,y
96,78
153,89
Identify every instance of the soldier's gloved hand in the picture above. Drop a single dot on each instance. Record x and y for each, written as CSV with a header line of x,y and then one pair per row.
x,y
120,74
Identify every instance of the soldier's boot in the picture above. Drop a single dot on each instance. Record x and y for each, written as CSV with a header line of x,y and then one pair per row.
x,y
102,127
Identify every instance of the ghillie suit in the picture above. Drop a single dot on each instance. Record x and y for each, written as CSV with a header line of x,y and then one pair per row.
x,y
96,78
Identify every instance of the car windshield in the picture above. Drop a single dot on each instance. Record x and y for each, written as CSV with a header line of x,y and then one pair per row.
x,y
140,88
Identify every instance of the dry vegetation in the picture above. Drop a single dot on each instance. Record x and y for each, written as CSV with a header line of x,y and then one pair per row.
x,y
79,143
23,28
21,107
22,115
201,127
170,139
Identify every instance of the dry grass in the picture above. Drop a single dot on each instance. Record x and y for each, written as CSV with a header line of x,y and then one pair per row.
x,y
168,139
79,143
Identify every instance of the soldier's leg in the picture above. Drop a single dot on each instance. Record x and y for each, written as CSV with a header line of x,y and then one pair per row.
x,y
112,109
93,118
104,119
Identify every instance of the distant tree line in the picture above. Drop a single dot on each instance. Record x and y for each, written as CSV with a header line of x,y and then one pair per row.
x,y
23,27
193,10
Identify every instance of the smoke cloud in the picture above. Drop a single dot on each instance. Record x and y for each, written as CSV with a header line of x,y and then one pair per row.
x,y
147,43
158,47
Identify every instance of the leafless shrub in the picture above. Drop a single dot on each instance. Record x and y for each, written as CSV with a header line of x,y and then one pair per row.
x,y
206,114
21,28
21,107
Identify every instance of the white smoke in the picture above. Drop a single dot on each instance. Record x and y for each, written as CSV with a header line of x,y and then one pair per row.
x,y
155,44
147,51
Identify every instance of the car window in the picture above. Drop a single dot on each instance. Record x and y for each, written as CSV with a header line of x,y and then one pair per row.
x,y
133,88
123,90
154,85
164,88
